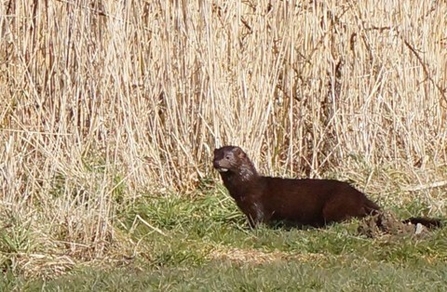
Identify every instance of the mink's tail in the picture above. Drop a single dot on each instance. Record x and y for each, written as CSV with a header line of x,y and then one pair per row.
x,y
427,222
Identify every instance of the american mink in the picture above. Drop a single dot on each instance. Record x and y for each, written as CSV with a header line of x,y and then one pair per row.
x,y
314,202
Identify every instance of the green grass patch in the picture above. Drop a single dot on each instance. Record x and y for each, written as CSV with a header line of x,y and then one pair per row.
x,y
358,275
203,244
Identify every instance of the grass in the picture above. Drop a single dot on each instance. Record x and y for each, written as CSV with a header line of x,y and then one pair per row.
x,y
202,243
278,276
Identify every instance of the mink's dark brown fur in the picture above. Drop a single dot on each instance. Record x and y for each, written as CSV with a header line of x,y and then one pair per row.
x,y
314,202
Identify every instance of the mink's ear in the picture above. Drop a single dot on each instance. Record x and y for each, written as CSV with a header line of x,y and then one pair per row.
x,y
239,152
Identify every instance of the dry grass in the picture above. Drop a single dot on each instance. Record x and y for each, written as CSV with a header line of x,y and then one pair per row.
x,y
256,257
105,100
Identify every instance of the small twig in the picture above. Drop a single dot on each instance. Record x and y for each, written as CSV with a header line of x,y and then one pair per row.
x,y
426,186
247,25
150,226
426,71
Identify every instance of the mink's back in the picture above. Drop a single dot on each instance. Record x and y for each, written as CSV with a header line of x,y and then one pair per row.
x,y
303,188
304,200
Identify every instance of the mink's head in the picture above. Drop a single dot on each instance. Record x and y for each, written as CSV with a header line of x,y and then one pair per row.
x,y
228,158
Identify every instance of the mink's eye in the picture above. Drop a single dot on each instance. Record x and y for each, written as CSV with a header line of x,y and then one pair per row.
x,y
227,157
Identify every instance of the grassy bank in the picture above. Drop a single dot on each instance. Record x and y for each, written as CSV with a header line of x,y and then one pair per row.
x,y
203,244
